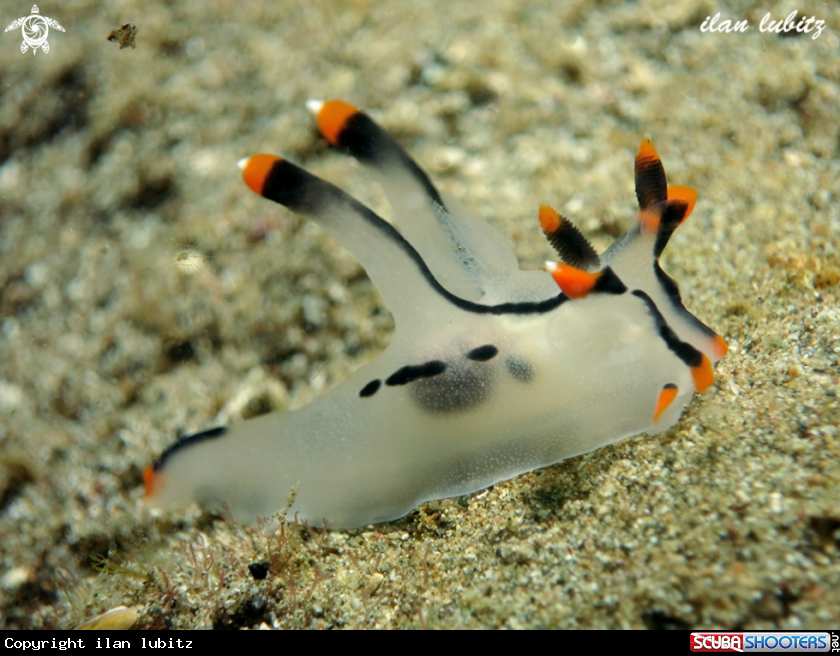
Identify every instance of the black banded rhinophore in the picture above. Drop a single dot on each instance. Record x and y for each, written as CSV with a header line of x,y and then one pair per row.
x,y
492,371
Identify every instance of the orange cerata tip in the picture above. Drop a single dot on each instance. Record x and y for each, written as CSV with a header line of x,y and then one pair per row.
x,y
332,117
703,374
574,282
687,194
646,150
666,398
255,170
719,347
149,481
549,219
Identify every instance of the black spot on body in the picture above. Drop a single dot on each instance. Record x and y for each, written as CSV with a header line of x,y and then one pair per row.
x,y
413,372
371,388
519,369
483,353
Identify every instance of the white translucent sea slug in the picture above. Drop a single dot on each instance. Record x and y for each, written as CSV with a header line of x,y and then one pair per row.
x,y
492,371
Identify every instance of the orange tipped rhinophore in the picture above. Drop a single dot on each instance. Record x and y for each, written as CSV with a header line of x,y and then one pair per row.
x,y
549,219
647,152
719,347
332,117
666,398
575,283
255,170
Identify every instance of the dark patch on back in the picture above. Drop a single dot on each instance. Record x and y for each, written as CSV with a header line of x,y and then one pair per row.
x,y
413,372
464,385
483,353
519,369
186,441
371,388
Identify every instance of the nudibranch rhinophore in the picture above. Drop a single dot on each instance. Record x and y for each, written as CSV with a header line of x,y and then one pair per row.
x,y
491,371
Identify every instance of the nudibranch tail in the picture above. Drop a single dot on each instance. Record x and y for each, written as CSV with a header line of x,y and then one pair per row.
x,y
491,372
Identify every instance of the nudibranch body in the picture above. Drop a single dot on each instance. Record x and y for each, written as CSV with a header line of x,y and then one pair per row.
x,y
492,371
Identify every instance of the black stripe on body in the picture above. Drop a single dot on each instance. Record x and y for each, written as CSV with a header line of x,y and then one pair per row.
x,y
305,193
672,291
413,372
683,350
186,441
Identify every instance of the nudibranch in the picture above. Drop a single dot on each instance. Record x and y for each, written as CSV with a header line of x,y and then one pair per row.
x,y
492,371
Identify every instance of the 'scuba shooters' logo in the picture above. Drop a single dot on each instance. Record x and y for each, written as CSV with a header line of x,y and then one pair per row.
x,y
35,29
757,641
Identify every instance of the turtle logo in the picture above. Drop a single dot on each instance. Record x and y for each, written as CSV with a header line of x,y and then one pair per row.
x,y
35,29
